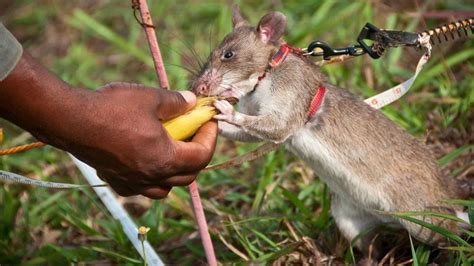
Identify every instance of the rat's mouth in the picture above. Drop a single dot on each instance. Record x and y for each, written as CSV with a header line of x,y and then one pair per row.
x,y
230,91
227,93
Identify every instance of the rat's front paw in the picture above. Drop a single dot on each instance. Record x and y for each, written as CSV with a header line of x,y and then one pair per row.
x,y
227,112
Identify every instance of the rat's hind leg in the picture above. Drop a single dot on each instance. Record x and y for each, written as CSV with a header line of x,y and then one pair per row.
x,y
354,222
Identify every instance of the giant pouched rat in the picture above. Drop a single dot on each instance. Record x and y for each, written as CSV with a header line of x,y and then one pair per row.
x,y
369,162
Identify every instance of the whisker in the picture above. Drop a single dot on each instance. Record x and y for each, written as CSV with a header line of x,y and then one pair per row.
x,y
199,60
190,48
190,64
210,40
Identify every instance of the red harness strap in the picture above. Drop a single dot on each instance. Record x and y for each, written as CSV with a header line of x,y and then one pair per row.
x,y
282,53
278,59
316,102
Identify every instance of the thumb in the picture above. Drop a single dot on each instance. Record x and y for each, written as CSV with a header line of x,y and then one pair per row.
x,y
173,103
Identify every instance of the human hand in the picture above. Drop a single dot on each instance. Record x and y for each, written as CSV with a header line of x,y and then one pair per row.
x,y
127,145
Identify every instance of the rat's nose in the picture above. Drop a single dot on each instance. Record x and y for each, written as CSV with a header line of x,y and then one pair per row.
x,y
201,88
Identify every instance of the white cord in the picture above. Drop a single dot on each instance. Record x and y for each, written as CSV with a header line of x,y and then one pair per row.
x,y
118,212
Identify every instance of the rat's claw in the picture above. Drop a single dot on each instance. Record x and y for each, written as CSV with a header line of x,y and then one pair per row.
x,y
224,106
226,111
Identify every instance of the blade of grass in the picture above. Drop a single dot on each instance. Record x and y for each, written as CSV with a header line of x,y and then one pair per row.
x,y
265,180
295,201
464,259
323,218
423,254
429,213
113,254
79,223
243,240
263,237
467,249
70,255
413,253
444,232
46,203
454,154
233,248
282,252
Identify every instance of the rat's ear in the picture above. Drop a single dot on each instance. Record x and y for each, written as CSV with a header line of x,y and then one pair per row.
x,y
237,18
271,27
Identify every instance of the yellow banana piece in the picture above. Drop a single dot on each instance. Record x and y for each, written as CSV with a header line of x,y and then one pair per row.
x,y
184,126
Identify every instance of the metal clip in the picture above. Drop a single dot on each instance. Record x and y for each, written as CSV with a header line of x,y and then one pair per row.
x,y
319,48
384,39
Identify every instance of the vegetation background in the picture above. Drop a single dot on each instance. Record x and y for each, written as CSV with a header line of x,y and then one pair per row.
x,y
271,210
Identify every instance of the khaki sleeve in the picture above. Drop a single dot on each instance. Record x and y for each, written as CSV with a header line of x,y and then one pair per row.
x,y
10,52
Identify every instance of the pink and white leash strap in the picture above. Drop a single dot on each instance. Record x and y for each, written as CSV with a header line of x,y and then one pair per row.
x,y
387,97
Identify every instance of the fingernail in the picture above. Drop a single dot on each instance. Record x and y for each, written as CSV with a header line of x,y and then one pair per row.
x,y
188,96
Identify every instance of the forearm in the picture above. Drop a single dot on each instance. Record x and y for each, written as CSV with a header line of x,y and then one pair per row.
x,y
36,100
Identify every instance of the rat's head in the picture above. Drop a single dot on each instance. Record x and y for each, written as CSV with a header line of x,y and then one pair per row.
x,y
234,66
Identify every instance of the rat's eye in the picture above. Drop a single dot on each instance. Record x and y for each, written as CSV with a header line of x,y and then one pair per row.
x,y
228,55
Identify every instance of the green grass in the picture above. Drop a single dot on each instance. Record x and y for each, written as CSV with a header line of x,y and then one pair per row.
x,y
270,210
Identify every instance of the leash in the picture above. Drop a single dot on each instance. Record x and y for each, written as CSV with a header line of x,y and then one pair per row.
x,y
8,176
384,39
12,177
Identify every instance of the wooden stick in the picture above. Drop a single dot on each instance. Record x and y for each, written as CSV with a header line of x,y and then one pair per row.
x,y
193,188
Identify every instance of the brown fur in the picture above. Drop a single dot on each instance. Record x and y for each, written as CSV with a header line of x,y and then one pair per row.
x,y
374,147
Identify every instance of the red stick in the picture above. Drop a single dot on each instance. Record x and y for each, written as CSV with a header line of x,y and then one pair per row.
x,y
193,188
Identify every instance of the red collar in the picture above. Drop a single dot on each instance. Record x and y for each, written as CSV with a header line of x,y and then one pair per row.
x,y
278,59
